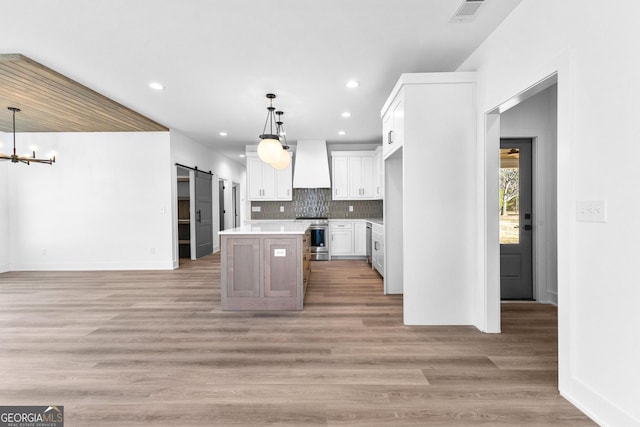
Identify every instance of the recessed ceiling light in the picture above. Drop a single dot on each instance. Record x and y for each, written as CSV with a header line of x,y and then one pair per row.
x,y
223,134
242,155
352,84
342,132
156,86
346,114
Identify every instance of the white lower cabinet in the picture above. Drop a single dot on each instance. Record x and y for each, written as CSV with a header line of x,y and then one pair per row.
x,y
360,238
377,248
348,238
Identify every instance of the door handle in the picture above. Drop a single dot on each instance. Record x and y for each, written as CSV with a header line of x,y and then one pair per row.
x,y
199,216
389,140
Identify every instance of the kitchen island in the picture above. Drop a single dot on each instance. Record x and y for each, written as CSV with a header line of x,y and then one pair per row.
x,y
265,266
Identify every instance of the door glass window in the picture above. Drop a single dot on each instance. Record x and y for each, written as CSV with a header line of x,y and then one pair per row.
x,y
509,196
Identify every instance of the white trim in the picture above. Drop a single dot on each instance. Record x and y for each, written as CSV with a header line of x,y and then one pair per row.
x,y
94,266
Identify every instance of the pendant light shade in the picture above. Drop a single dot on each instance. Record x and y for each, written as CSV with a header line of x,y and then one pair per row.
x,y
283,161
284,158
269,148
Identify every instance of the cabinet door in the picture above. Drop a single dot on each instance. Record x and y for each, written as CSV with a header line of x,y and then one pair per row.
x,y
377,249
268,182
360,238
281,268
284,184
242,267
393,127
254,178
342,242
378,166
340,175
355,177
366,177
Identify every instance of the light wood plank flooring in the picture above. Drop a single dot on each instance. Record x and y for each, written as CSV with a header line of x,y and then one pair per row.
x,y
154,348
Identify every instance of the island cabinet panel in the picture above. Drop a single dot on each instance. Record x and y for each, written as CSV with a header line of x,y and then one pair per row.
x,y
243,267
281,267
263,271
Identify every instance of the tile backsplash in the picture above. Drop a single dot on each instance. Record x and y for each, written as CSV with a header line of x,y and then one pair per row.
x,y
312,202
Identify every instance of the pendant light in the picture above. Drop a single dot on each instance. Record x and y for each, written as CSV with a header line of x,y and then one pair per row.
x,y
284,158
23,159
269,148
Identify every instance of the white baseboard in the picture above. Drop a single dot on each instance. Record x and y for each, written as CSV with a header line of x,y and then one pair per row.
x,y
595,406
93,266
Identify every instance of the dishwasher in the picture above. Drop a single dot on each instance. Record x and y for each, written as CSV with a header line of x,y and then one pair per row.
x,y
369,243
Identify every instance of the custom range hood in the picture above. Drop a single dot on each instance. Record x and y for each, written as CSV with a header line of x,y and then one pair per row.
x,y
311,168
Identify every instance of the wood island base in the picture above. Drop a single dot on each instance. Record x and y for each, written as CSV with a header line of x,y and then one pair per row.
x,y
264,271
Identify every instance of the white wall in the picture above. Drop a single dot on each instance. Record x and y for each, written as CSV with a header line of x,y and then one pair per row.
x,y
439,203
591,47
103,205
190,153
4,204
536,118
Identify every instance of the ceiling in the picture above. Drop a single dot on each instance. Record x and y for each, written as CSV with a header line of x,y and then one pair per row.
x,y
217,59
50,102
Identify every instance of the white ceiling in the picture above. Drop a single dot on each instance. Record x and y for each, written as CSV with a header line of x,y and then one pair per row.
x,y
217,59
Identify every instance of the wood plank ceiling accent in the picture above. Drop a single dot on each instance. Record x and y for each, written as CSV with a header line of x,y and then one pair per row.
x,y
51,102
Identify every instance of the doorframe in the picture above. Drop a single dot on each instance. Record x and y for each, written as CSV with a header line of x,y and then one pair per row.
x,y
491,193
561,70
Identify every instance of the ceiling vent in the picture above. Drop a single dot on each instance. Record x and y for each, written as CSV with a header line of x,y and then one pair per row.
x,y
467,11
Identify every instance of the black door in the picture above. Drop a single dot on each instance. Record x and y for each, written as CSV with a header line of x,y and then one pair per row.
x,y
516,219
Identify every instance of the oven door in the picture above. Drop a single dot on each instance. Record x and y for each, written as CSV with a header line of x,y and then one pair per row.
x,y
319,242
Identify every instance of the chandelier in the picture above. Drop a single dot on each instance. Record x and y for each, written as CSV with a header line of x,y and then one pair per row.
x,y
23,159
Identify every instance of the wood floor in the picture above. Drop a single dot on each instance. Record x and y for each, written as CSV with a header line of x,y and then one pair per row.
x,y
154,348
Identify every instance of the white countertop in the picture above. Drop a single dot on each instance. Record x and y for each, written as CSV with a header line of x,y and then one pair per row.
x,y
265,227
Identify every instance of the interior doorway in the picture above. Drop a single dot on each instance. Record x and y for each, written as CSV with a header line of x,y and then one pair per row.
x,y
235,203
184,213
531,114
221,205
516,213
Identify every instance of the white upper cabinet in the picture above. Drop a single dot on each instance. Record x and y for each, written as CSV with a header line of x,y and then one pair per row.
x,y
393,126
378,174
340,177
353,175
264,182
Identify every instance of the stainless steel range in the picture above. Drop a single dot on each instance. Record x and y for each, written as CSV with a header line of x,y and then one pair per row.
x,y
319,237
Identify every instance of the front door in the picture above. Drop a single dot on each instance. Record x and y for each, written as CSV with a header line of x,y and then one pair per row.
x,y
204,218
516,236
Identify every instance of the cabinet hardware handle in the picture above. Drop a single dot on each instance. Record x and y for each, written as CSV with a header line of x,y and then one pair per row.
x,y
375,246
389,140
199,216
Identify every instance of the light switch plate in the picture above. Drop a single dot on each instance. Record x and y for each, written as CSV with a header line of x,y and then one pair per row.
x,y
279,252
281,208
591,211
255,208
350,208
